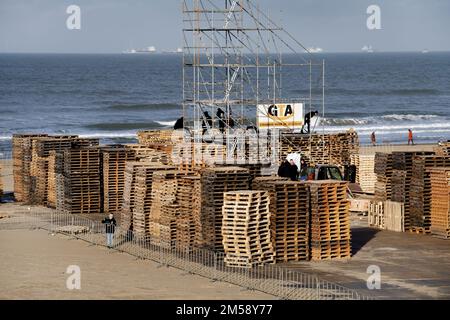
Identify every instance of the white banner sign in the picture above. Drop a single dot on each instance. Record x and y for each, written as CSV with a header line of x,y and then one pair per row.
x,y
280,116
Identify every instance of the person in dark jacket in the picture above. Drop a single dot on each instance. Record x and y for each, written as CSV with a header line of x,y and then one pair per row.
x,y
208,123
284,170
179,124
308,118
110,228
303,170
293,171
221,116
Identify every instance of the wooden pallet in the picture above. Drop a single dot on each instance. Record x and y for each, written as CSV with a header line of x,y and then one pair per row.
x,y
214,183
81,178
113,165
246,229
330,220
335,149
420,191
143,197
365,172
440,202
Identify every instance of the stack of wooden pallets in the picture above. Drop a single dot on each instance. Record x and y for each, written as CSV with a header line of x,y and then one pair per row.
x,y
143,197
81,180
440,202
443,149
129,191
420,191
365,176
330,220
189,187
113,164
22,145
335,149
290,221
147,154
159,140
165,208
383,170
246,229
214,183
401,180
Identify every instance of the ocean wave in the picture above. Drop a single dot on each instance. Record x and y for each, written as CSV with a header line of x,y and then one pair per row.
x,y
381,92
379,119
145,107
166,123
123,126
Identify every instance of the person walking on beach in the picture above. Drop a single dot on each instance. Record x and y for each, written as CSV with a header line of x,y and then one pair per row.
x,y
110,228
410,137
308,118
373,138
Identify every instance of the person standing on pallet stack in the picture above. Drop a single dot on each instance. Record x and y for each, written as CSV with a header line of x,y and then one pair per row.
x,y
110,228
308,118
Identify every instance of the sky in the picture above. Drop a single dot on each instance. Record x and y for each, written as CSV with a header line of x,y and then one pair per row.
x,y
112,26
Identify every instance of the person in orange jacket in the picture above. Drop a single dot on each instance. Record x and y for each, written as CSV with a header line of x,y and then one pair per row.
x,y
410,137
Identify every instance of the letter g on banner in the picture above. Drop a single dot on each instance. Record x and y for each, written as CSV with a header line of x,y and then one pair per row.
x,y
73,22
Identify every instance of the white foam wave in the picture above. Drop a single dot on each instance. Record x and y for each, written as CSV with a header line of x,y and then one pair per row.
x,y
166,123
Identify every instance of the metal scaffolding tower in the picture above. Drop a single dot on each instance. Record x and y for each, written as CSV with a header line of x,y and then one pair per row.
x,y
236,58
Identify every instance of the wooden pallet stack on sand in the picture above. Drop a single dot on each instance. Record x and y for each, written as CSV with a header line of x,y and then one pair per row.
x,y
330,220
214,183
165,208
22,147
188,231
82,181
142,203
290,221
114,159
129,191
246,229
41,149
383,170
365,171
401,180
420,191
440,202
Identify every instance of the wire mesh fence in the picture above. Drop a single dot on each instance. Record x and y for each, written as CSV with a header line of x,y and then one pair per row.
x,y
270,278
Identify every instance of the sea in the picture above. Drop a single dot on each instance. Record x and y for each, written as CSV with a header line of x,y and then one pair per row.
x,y
112,96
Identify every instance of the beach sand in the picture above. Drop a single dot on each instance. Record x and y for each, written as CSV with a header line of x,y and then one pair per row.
x,y
34,265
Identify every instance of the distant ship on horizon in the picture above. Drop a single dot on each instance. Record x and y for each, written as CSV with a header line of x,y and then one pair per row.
x,y
315,50
147,50
368,49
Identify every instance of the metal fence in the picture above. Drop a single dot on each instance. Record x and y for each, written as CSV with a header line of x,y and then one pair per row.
x,y
271,279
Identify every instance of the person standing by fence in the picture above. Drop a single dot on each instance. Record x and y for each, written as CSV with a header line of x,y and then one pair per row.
x,y
110,228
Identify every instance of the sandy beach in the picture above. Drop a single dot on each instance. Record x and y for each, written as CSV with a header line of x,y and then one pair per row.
x,y
34,264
